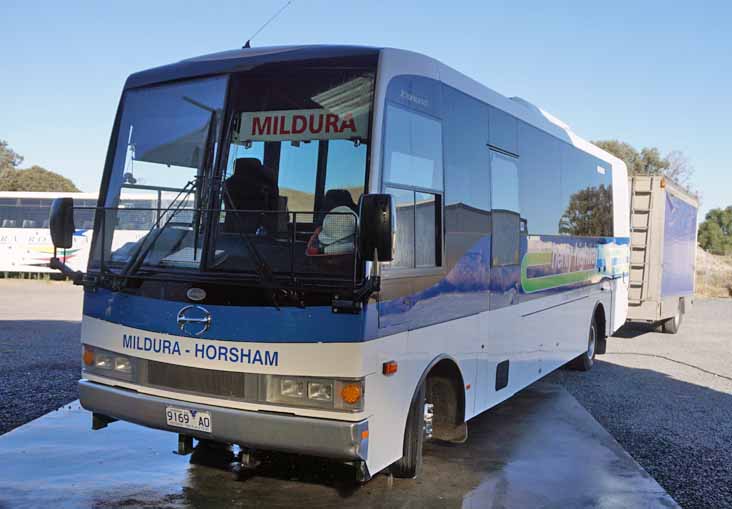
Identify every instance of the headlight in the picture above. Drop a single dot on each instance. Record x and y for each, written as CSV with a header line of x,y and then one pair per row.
x,y
103,361
106,363
320,391
315,392
291,388
122,364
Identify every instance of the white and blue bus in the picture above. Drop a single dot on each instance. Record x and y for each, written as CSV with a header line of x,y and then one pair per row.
x,y
360,249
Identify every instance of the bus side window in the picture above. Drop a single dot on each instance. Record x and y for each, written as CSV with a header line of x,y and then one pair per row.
x,y
506,219
413,174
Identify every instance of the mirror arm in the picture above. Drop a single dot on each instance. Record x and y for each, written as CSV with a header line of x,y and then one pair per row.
x,y
362,294
75,275
376,266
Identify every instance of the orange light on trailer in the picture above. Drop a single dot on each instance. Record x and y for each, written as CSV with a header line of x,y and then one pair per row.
x,y
351,393
389,368
663,182
88,356
364,434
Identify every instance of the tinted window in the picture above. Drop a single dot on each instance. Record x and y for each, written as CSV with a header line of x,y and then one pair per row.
x,y
505,217
467,163
539,180
504,182
503,131
586,195
404,199
412,149
418,228
426,225
505,239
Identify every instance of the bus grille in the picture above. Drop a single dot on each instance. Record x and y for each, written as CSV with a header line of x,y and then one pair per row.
x,y
227,384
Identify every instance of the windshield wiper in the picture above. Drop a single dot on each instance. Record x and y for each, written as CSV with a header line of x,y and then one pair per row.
x,y
147,243
262,268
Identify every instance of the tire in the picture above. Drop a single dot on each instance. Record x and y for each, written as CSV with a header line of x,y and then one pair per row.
x,y
409,465
673,324
585,361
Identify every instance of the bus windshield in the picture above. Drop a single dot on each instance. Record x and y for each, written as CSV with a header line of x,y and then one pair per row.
x,y
164,147
296,171
285,198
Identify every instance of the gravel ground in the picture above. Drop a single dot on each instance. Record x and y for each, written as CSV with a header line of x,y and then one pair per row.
x,y
39,348
667,399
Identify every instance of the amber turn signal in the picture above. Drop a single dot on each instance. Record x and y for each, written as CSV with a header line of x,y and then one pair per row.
x,y
88,356
351,393
389,368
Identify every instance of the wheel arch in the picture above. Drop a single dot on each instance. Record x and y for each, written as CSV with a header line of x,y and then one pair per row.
x,y
446,367
600,317
598,314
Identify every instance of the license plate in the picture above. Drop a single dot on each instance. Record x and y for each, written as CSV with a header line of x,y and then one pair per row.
x,y
189,419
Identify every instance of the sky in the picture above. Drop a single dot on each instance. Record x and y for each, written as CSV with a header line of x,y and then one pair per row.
x,y
651,73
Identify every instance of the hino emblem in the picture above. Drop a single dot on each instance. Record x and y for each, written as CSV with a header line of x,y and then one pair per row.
x,y
194,320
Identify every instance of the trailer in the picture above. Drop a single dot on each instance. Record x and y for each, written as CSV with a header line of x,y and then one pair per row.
x,y
663,229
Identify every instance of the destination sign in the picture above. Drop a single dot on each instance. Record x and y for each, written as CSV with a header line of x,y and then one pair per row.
x,y
302,125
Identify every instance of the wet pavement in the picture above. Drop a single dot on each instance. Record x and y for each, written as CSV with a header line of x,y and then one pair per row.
x,y
539,449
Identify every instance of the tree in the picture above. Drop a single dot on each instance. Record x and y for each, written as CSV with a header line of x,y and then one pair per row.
x,y
652,163
9,159
715,233
35,179
624,151
649,161
589,213
679,168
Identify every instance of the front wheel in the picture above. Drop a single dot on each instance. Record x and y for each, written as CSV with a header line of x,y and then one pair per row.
x,y
585,361
409,465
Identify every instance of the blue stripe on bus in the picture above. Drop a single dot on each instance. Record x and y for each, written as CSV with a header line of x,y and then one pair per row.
x,y
467,289
229,323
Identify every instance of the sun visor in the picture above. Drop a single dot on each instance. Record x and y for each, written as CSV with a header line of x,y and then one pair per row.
x,y
183,151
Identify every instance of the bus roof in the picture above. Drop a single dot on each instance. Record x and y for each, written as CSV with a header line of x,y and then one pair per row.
x,y
247,58
242,60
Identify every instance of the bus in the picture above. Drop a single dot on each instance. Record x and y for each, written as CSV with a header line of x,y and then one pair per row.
x,y
362,249
25,244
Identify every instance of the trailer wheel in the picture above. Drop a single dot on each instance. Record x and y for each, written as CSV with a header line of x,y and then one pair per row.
x,y
409,465
672,325
585,361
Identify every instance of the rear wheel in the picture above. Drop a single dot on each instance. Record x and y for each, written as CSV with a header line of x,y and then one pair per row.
x,y
409,465
672,325
585,361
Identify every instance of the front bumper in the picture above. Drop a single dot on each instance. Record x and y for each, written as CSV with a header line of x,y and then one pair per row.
x,y
262,430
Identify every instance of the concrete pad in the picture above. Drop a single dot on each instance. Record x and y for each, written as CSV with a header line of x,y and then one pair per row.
x,y
539,449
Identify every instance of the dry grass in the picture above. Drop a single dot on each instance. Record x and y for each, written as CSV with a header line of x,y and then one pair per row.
x,y
713,275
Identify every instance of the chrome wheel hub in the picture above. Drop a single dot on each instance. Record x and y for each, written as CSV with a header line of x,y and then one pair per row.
x,y
591,343
429,413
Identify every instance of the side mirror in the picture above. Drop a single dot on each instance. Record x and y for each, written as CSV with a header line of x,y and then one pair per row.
x,y
61,222
378,227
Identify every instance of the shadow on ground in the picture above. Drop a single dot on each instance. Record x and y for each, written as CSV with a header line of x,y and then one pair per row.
x,y
633,330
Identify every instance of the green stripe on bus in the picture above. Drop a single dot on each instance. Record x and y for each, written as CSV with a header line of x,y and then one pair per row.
x,y
535,284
